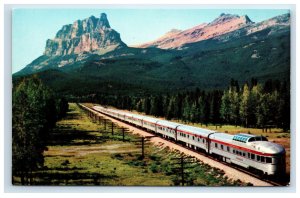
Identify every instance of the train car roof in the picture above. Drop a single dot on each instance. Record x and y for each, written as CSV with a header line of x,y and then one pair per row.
x,y
150,119
168,123
222,137
196,130
98,107
138,116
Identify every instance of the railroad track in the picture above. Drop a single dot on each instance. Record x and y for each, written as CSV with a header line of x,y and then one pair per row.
x,y
240,169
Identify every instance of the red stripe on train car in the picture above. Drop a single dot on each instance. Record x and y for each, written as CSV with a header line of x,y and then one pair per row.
x,y
242,148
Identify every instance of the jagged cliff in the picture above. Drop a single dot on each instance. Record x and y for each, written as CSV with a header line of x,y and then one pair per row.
x,y
88,35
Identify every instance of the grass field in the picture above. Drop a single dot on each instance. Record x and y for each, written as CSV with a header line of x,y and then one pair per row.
x,y
81,152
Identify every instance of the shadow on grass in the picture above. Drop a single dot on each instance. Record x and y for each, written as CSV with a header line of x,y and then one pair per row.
x,y
68,135
69,177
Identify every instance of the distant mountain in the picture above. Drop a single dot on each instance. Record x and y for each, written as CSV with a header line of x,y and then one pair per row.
x,y
92,35
242,50
223,24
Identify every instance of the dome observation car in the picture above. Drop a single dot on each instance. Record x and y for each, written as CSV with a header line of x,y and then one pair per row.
x,y
242,137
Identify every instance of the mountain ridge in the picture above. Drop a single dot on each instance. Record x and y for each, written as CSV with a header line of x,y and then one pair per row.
x,y
257,50
223,24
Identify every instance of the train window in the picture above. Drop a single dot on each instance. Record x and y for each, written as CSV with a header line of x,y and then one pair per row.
x,y
216,145
258,158
198,139
262,159
188,136
275,160
244,154
268,160
233,151
252,156
249,155
203,140
193,138
222,147
228,149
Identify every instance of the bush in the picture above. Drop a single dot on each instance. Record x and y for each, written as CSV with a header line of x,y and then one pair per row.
x,y
154,168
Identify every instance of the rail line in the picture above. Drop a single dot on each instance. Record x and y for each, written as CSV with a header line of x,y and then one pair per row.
x,y
240,169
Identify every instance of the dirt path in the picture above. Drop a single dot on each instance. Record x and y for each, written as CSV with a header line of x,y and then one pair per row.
x,y
229,172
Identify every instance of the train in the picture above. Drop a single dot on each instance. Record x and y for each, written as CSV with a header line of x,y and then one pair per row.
x,y
251,152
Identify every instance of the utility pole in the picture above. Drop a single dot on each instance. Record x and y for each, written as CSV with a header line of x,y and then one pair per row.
x,y
143,149
142,142
182,166
123,134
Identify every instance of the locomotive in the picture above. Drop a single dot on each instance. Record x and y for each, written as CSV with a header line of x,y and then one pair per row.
x,y
252,152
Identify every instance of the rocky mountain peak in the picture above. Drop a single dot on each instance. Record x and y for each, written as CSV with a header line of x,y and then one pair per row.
x,y
224,18
88,35
247,19
103,22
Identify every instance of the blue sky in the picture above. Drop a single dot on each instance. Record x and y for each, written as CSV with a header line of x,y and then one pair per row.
x,y
32,27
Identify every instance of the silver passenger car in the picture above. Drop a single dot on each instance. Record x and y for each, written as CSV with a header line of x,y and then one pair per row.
x,y
194,137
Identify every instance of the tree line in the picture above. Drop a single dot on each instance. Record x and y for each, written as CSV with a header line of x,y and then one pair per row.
x,y
250,105
35,110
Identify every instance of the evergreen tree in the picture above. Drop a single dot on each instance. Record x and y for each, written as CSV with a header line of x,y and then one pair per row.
x,y
171,107
186,109
140,105
62,107
244,105
195,112
254,99
263,110
284,107
34,114
156,106
234,99
225,109
147,105
200,110
206,111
